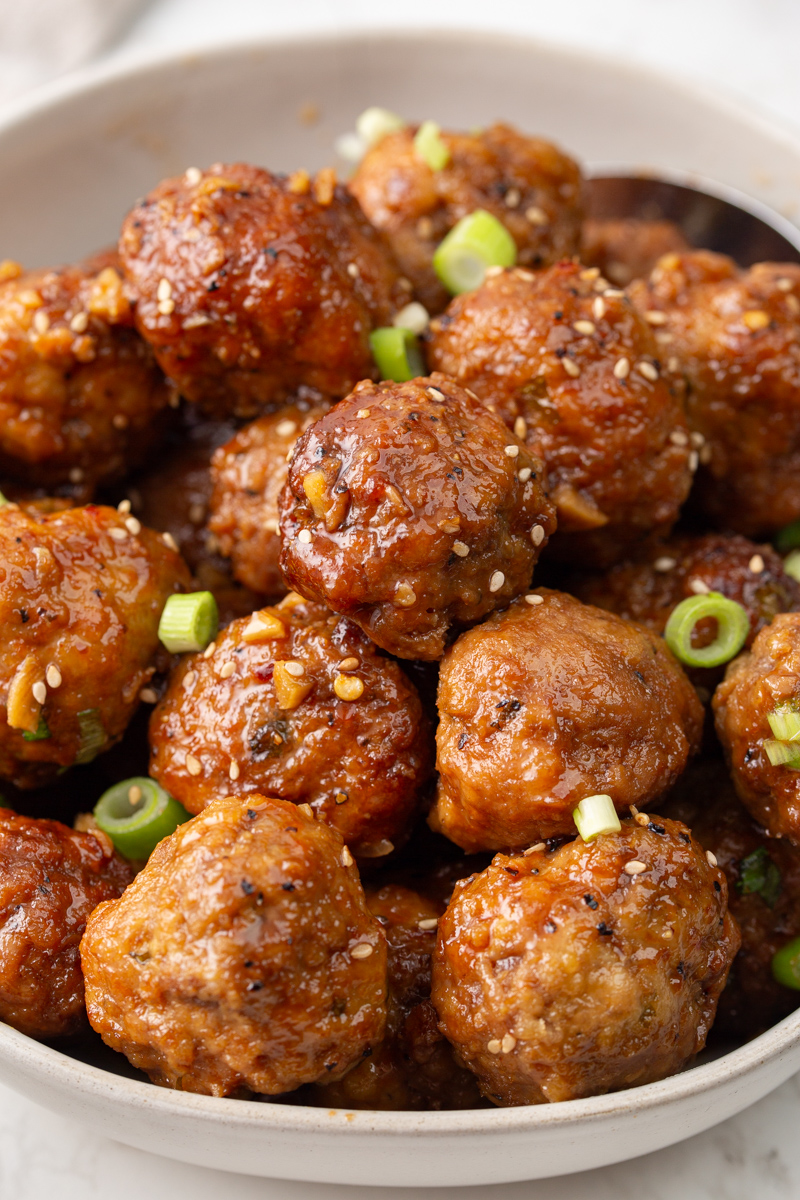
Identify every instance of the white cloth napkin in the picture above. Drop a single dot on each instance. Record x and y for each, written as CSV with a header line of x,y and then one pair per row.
x,y
40,39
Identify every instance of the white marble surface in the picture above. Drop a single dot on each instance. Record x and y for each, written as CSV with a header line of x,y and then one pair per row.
x,y
744,46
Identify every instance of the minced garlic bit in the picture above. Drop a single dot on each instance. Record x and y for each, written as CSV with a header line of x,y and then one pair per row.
x,y
405,595
461,549
756,319
347,858
262,627
494,1046
508,1043
290,689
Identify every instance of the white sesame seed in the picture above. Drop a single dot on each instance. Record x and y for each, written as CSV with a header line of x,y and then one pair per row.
x,y
304,536
461,549
169,540
571,367
436,395
520,428
622,368
41,321
512,451
587,327
494,1046
234,771
193,765
699,587
148,695
508,1043
285,429
227,669
665,563
53,676
164,289
712,858
534,849
679,437
349,664
117,534
598,308
694,461
362,950
535,215
793,304
614,293
537,535
654,317
305,809
524,474
601,285
641,819
756,564
534,599
362,412
80,322
133,526
427,923
134,794
347,858
521,273
352,270
193,175
590,273
496,582
295,669
512,197
493,272
673,365
784,285
124,507
634,867
647,370
166,307
39,690
697,439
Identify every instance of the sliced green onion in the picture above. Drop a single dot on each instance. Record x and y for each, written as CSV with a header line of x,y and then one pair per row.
x,y
784,721
786,965
787,538
596,815
189,622
783,754
375,123
759,875
3,500
733,626
92,735
430,147
396,353
40,734
136,814
791,565
476,243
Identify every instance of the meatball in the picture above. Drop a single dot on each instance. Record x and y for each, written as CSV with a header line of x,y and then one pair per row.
x,y
763,894
81,595
528,184
550,702
50,880
576,372
628,248
414,1067
735,337
248,474
411,509
764,678
248,285
80,392
242,958
585,970
297,702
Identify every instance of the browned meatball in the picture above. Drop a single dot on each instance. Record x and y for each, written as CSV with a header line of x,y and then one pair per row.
x,y
763,894
735,337
248,285
297,702
50,880
248,474
81,595
586,970
766,677
550,702
414,1067
528,184
79,390
412,510
628,248
243,956
576,372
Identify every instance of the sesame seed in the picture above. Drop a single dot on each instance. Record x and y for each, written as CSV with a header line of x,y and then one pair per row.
x,y
425,228
347,858
193,765
512,197
304,536
124,507
521,273
169,540
461,549
654,317
537,535
349,664
590,273
134,794
614,293
133,526
784,284
679,437
756,564
534,598
210,648
493,272
756,319
306,810
80,322
166,307
494,1046
571,367
634,867
697,439
587,327
622,368
520,428
352,270
227,669
647,370
665,563
348,687
673,365
405,595
524,474
535,215
436,395
39,690
496,582
712,858
699,587
285,429
148,695
362,950
362,412
512,451
642,819
508,1043
189,678
164,289
53,676
694,461
234,771
535,849
706,454
427,923
663,337
293,668
598,308
41,321
601,285
117,534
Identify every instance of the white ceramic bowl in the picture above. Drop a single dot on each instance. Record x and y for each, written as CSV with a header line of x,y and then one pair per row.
x,y
72,161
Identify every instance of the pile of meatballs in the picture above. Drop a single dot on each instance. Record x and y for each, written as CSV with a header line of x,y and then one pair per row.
x,y
442,604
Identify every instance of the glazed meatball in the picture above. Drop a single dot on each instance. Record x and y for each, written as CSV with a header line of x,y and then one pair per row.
x,y
50,880
248,285
735,337
297,702
763,894
81,595
585,970
550,702
242,958
412,510
248,474
757,682
80,392
414,1067
628,248
576,372
528,184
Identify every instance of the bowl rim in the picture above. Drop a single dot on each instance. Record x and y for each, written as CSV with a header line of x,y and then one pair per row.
x,y
47,1060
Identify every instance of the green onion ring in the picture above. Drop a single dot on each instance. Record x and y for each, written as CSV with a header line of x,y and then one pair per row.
x,y
188,622
786,965
396,353
733,626
474,244
136,827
